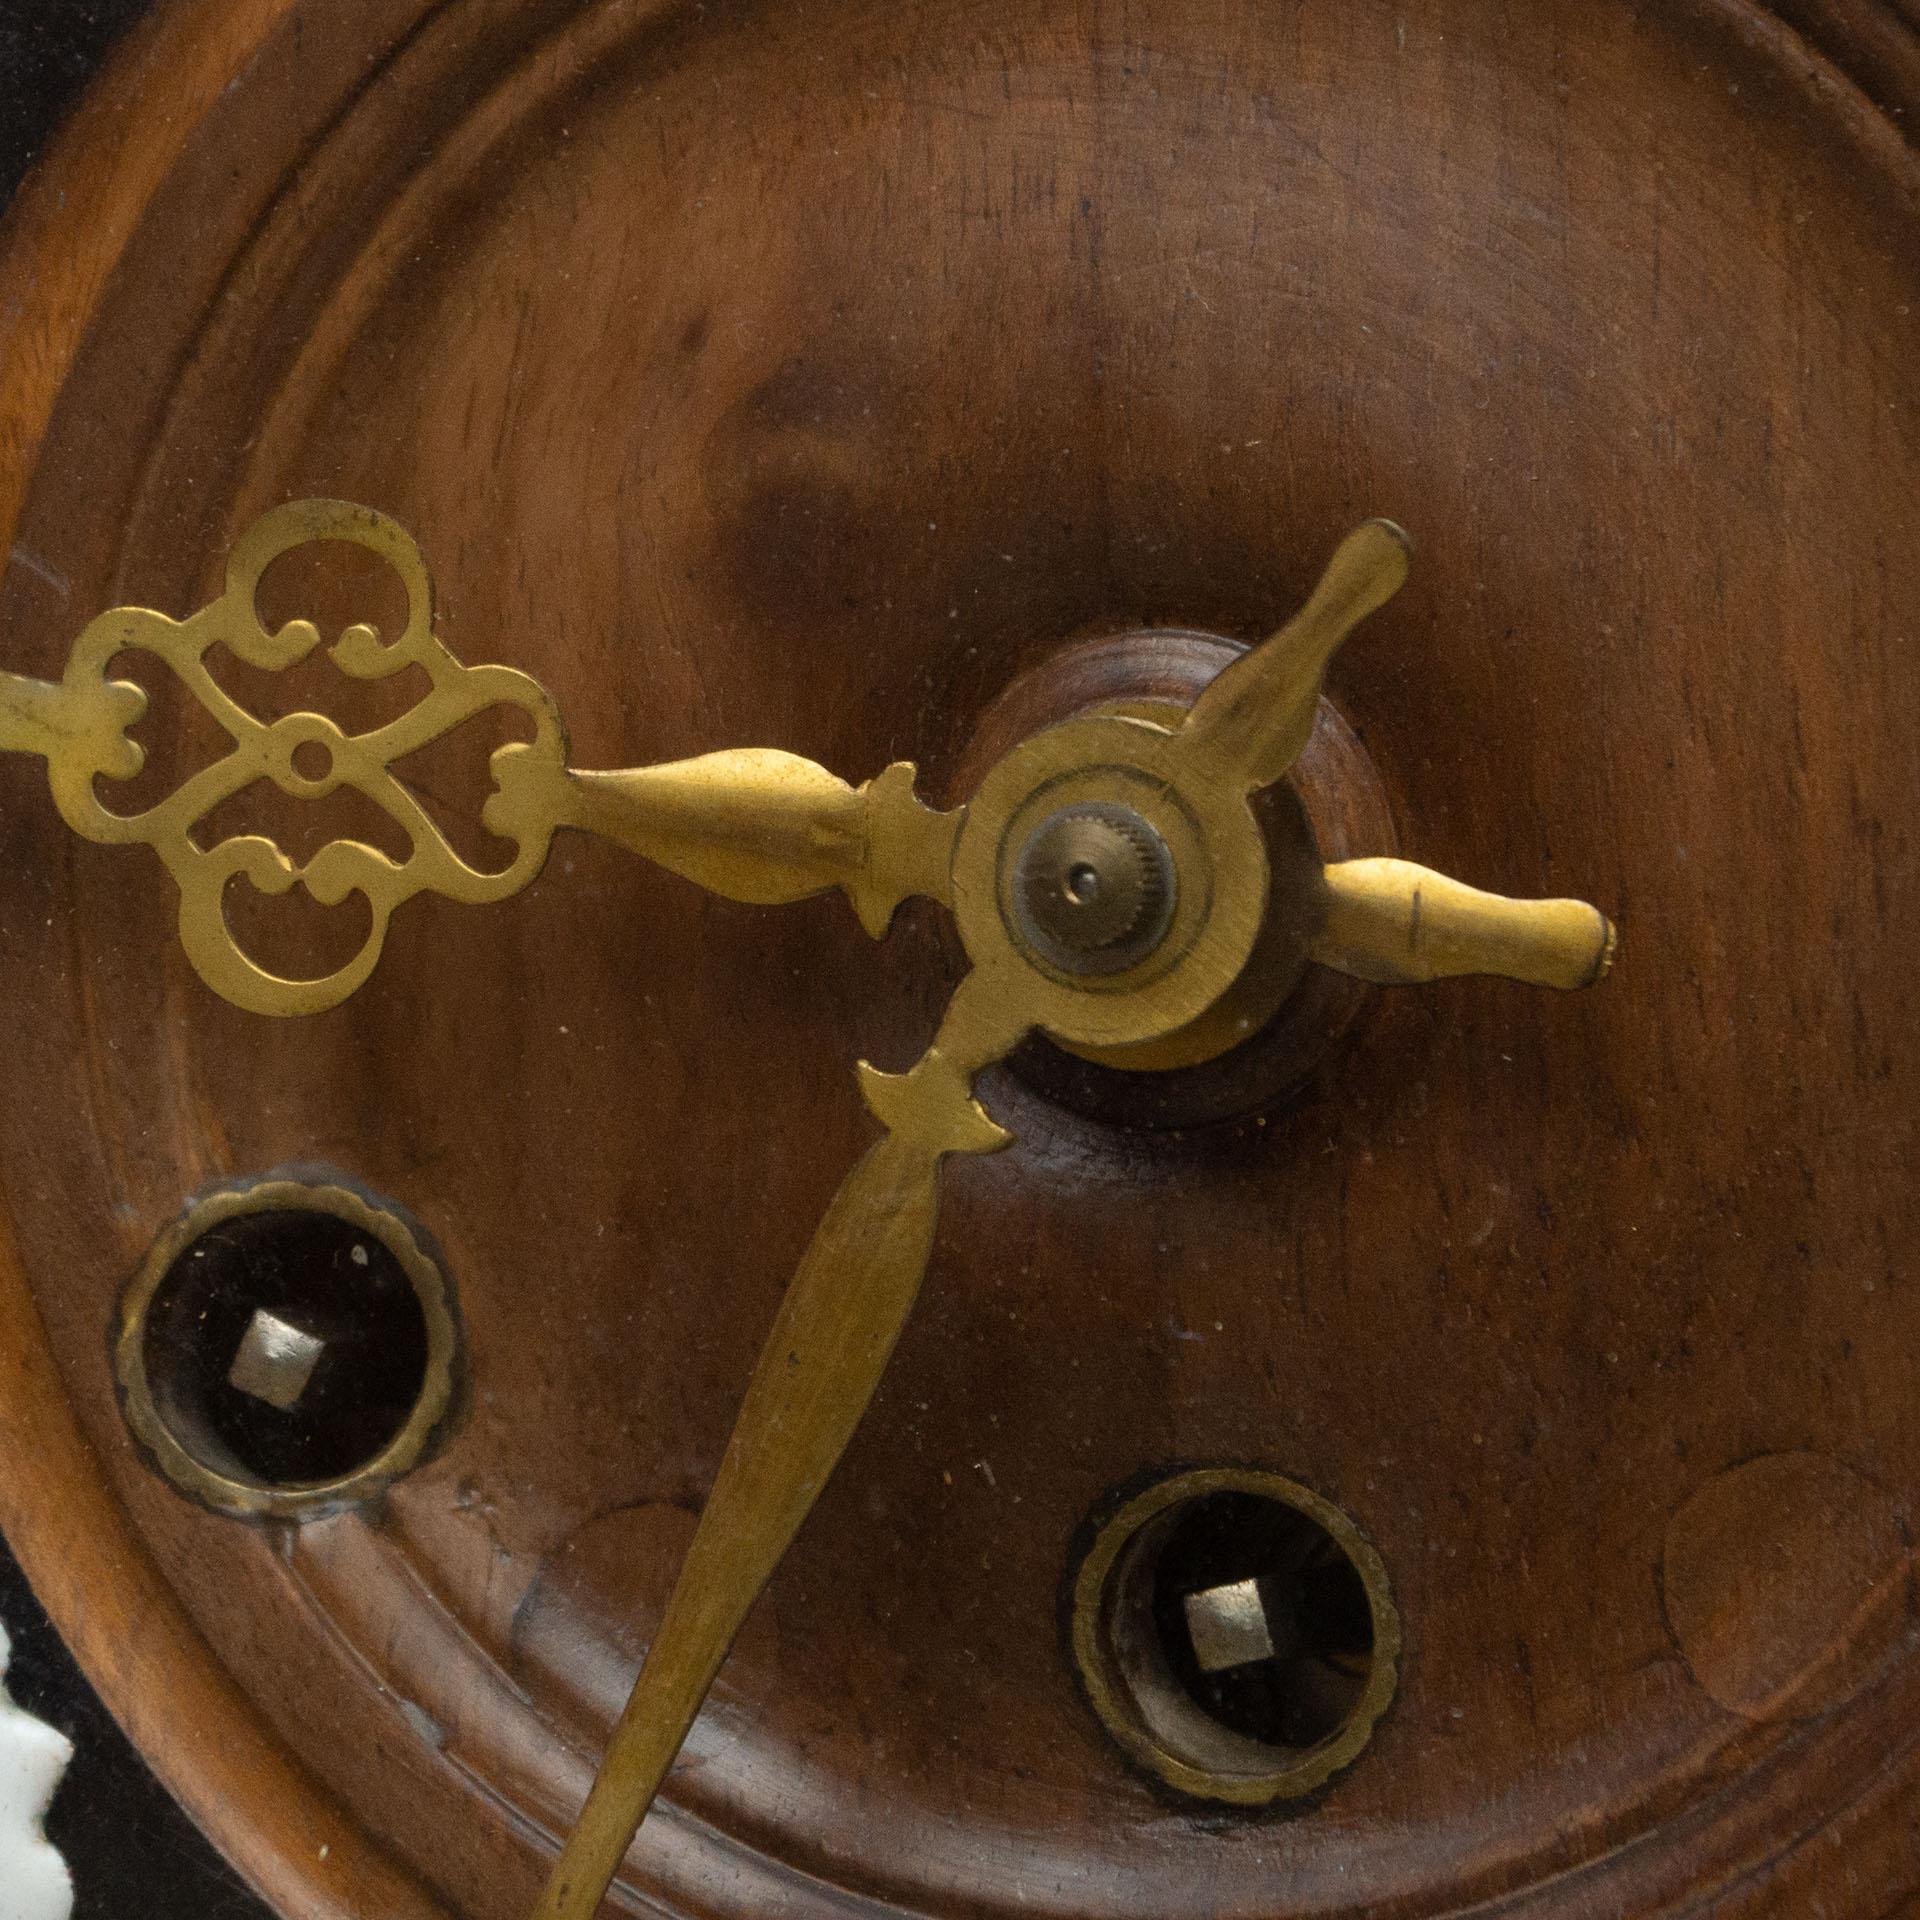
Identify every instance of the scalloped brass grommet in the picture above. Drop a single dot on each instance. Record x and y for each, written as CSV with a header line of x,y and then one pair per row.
x,y
289,1347
1235,1634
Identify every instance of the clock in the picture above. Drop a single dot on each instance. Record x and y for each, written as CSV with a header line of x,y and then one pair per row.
x,y
512,1421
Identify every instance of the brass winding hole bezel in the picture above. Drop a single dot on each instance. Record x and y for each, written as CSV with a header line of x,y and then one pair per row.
x,y
192,1459
1131,1686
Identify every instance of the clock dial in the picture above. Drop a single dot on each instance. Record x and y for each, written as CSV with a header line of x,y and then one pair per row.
x,y
1111,887
790,395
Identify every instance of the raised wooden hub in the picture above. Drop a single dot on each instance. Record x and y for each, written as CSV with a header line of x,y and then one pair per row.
x,y
804,375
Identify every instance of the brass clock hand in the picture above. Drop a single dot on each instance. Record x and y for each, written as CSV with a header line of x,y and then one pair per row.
x,y
1396,923
754,824
830,1342
751,823
1254,719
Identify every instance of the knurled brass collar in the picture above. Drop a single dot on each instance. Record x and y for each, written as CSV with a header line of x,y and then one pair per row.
x,y
1094,889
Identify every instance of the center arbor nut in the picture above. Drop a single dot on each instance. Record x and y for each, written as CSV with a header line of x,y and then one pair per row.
x,y
1094,889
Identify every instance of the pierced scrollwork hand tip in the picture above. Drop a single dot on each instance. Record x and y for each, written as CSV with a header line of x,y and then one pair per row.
x,y
83,725
753,824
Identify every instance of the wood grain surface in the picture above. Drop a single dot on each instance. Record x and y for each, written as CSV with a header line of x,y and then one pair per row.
x,y
808,376
134,1847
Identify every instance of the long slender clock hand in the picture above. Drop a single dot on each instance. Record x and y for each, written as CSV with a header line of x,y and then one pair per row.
x,y
830,1342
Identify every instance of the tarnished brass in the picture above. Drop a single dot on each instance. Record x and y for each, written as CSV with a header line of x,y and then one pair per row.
x,y
754,824
1136,1697
751,823
831,1340
1094,889
1394,922
766,826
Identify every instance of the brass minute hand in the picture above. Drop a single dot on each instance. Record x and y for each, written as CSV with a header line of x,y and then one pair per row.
x,y
830,1342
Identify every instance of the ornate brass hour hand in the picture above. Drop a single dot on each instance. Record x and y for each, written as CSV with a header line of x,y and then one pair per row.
x,y
754,824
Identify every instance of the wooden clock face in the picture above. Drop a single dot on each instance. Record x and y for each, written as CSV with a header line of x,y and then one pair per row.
x,y
821,377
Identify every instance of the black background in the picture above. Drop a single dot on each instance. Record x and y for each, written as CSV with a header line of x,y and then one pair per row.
x,y
134,1854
